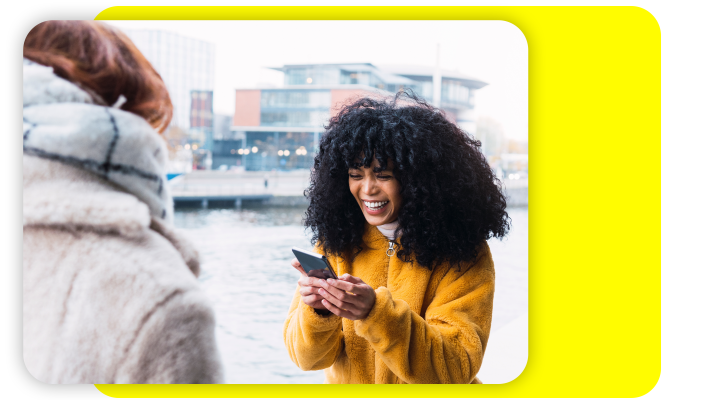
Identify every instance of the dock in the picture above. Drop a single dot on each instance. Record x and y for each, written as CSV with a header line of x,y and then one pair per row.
x,y
282,188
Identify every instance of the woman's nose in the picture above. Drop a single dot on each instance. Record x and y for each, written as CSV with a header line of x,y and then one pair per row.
x,y
369,186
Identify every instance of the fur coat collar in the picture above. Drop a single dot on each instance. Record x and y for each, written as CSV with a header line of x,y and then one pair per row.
x,y
64,123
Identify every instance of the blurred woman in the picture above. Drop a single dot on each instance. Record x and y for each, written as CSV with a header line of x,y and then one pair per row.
x,y
110,289
402,203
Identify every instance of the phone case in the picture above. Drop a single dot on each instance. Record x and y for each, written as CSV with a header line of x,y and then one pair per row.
x,y
314,264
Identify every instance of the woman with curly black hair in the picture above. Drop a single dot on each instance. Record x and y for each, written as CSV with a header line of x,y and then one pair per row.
x,y
402,202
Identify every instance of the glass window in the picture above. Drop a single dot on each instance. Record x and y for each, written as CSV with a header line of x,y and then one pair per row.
x,y
312,76
279,150
348,77
295,99
375,81
296,76
455,92
294,118
363,78
427,90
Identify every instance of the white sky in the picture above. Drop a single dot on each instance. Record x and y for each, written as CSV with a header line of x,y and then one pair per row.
x,y
493,51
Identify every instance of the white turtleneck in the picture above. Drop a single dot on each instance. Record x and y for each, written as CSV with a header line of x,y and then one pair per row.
x,y
388,229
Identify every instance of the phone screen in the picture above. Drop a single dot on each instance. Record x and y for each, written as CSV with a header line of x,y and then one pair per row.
x,y
315,265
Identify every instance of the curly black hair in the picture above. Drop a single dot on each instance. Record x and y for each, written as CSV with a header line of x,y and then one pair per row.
x,y
452,200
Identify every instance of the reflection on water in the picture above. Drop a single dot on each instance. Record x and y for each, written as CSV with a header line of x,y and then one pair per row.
x,y
246,272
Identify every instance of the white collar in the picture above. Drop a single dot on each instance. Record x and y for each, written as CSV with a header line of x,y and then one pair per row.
x,y
389,229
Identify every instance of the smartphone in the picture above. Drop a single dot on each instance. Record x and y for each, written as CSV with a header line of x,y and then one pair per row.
x,y
314,264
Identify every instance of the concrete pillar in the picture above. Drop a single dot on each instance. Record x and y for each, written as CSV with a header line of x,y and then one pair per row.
x,y
276,149
437,79
244,156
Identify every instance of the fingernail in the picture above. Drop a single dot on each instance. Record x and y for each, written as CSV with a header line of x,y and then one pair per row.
x,y
330,281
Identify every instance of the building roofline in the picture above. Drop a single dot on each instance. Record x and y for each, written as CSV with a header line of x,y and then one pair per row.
x,y
235,128
426,71
400,70
323,87
318,65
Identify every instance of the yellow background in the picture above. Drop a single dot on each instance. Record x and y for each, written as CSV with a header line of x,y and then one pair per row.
x,y
595,200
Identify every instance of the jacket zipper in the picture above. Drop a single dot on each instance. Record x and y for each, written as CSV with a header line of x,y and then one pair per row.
x,y
390,250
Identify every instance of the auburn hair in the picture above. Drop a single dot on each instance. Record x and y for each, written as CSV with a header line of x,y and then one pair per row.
x,y
103,61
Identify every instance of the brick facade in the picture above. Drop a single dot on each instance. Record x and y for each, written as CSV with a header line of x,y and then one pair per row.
x,y
247,108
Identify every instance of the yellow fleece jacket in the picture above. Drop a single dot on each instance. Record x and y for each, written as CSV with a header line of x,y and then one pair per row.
x,y
425,327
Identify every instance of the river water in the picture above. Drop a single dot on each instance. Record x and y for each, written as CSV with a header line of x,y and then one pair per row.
x,y
246,273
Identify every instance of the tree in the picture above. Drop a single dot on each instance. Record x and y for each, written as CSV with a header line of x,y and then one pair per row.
x,y
517,147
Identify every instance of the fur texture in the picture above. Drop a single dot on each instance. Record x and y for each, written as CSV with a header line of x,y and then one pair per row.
x,y
425,327
106,298
61,122
109,287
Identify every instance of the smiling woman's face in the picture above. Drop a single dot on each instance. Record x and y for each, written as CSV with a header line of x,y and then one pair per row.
x,y
377,192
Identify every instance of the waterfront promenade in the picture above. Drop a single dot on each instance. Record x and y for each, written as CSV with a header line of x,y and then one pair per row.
x,y
227,188
282,188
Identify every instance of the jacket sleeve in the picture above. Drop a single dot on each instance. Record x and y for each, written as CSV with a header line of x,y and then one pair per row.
x,y
313,341
175,344
448,345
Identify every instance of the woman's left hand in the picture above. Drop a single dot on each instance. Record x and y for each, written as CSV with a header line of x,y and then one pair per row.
x,y
348,297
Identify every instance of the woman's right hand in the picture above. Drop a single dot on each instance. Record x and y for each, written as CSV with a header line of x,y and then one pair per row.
x,y
308,288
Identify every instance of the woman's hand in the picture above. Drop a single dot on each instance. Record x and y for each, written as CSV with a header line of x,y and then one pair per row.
x,y
308,287
348,297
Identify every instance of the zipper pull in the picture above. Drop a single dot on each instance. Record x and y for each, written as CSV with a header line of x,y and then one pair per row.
x,y
390,250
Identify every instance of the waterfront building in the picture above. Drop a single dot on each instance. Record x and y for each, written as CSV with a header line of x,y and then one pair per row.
x,y
279,128
201,118
187,66
457,91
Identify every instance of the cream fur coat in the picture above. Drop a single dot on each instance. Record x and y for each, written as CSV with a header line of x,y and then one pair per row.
x,y
109,288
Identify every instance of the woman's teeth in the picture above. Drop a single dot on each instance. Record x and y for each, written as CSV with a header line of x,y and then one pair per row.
x,y
375,205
